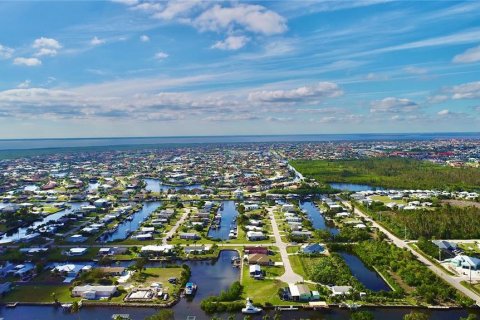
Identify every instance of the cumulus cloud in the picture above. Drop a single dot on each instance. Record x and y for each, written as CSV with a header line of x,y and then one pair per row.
x,y
161,55
96,41
174,9
29,62
46,43
469,90
311,93
393,105
231,43
5,52
144,38
443,112
469,56
254,18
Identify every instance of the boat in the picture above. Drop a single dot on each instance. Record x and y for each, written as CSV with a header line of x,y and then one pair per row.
x,y
11,305
250,308
190,288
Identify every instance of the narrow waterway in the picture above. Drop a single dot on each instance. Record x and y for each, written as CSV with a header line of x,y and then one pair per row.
x,y
125,228
369,278
229,213
155,185
22,232
354,187
317,218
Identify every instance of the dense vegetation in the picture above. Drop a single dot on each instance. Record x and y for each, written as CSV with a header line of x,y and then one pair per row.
x,y
445,222
331,270
226,301
391,260
390,173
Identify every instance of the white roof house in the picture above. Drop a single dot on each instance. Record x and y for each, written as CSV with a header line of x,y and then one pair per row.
x,y
94,292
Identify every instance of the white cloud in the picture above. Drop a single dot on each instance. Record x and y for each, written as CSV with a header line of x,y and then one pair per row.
x,y
393,105
175,9
126,2
312,93
469,90
25,84
96,41
161,55
254,18
46,52
29,62
46,43
415,70
144,38
443,112
5,52
231,43
469,56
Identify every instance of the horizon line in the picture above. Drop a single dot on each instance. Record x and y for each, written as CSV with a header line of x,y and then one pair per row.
x,y
246,135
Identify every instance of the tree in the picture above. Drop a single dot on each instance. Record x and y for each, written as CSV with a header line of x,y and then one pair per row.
x,y
164,314
361,315
471,316
415,316
140,264
75,307
54,297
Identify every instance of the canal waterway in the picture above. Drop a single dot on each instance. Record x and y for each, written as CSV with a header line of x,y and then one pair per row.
x,y
317,218
229,213
22,232
125,228
155,185
369,278
354,187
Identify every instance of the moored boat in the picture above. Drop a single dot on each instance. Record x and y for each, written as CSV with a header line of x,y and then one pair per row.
x,y
190,288
250,308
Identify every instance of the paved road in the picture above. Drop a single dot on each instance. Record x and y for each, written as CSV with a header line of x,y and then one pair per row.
x,y
172,231
452,280
289,276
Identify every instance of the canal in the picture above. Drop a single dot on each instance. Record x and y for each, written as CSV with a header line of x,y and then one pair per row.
x,y
22,232
155,185
125,228
212,277
369,278
354,187
229,213
317,218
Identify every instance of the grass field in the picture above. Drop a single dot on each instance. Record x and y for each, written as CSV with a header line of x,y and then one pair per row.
x,y
39,293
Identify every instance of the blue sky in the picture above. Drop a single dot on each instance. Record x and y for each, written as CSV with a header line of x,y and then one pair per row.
x,y
169,68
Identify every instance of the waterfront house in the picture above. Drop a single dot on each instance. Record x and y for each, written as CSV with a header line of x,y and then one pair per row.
x,y
112,271
312,248
299,292
256,271
76,251
340,290
196,249
261,250
156,250
189,236
260,259
90,292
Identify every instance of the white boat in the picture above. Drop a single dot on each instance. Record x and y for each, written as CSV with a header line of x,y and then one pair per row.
x,y
190,288
250,308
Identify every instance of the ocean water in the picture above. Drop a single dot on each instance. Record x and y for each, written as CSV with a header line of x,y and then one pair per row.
x,y
25,144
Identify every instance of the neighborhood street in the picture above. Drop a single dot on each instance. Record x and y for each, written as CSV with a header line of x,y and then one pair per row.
x,y
452,280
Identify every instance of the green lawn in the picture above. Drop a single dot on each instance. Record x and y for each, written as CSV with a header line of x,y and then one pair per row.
x,y
261,291
39,293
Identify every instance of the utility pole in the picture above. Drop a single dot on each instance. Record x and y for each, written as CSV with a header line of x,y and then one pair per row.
x,y
405,236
